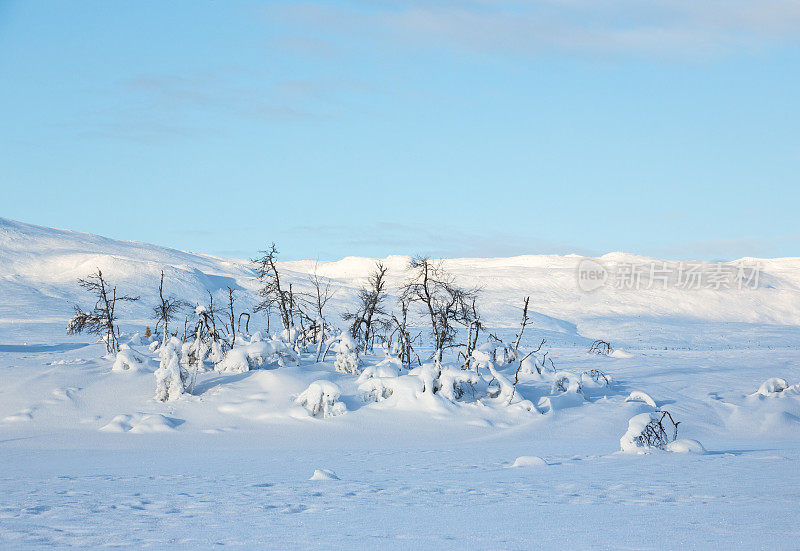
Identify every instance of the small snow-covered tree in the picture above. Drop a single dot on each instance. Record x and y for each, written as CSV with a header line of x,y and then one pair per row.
x,y
171,377
321,399
102,318
347,360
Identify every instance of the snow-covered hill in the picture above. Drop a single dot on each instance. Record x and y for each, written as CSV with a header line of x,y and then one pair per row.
x,y
39,268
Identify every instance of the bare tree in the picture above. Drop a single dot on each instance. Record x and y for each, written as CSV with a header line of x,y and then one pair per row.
x,y
231,318
404,339
100,320
367,315
444,303
167,309
472,337
524,323
271,292
322,293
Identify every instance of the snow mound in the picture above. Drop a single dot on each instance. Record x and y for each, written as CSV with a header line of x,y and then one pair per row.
x,y
772,386
639,396
127,360
323,474
20,416
154,423
619,353
141,423
528,461
686,446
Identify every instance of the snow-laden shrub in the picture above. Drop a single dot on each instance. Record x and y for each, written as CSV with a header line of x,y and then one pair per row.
x,y
530,366
347,360
647,431
127,360
321,399
566,391
388,368
235,361
215,352
257,353
772,386
496,352
428,374
171,376
453,382
376,389
193,354
154,346
271,352
504,391
564,381
594,378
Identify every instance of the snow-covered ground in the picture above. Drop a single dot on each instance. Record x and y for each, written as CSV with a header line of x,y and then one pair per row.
x,y
89,457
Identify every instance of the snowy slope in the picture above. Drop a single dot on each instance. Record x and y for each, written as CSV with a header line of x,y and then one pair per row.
x,y
39,268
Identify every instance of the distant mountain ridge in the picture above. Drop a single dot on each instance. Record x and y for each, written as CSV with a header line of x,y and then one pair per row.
x,y
39,268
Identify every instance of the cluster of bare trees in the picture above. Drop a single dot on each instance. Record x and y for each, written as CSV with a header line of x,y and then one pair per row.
x,y
429,294
302,315
102,318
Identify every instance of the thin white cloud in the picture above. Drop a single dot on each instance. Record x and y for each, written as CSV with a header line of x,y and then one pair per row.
x,y
664,28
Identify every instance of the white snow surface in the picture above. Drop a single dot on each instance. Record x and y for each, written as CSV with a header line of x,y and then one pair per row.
x,y
91,459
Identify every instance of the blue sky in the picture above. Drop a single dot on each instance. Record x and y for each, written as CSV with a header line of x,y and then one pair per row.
x,y
451,128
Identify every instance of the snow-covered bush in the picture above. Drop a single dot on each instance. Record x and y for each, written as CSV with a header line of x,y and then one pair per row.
x,y
376,389
564,381
649,430
388,368
453,382
258,353
127,359
495,351
428,374
274,351
601,347
215,352
595,376
505,390
235,361
321,399
171,376
347,360
530,366
772,386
